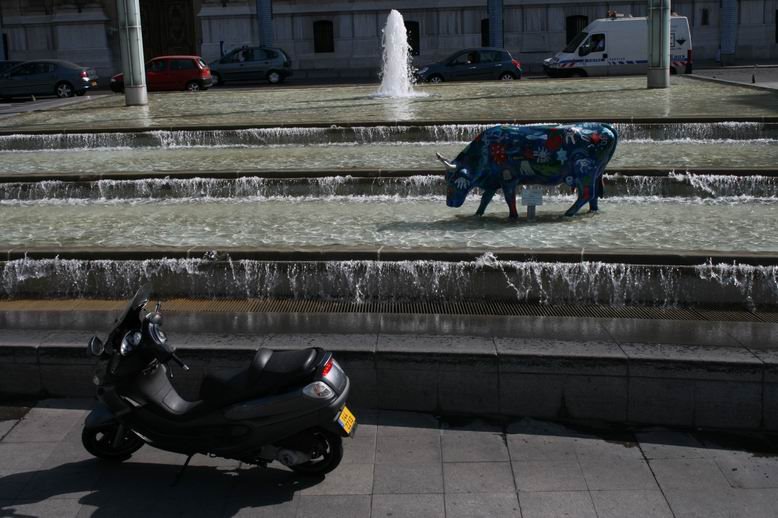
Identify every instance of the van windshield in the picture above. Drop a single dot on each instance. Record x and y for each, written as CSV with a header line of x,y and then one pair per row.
x,y
575,42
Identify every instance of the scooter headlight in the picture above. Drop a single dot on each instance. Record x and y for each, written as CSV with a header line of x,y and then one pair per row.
x,y
130,341
157,334
318,390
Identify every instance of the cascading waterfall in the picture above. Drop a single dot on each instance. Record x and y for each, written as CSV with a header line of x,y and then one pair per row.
x,y
485,278
357,134
636,186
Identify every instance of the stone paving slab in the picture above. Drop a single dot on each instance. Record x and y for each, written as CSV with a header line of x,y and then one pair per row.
x,y
546,469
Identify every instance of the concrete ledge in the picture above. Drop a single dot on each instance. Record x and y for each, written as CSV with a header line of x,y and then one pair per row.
x,y
309,254
767,119
642,383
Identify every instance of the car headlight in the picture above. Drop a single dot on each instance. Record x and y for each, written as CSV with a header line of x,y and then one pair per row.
x,y
157,334
130,341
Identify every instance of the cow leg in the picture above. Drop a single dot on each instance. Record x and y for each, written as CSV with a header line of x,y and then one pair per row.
x,y
584,195
510,199
598,189
486,197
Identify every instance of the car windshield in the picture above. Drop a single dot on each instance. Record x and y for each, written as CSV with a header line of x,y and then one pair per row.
x,y
575,42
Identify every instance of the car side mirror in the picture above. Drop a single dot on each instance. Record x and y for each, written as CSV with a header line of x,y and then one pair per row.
x,y
95,346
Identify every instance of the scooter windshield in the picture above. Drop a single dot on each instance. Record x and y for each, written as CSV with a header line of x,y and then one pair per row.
x,y
142,296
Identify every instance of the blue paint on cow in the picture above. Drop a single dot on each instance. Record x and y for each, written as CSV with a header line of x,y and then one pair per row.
x,y
503,157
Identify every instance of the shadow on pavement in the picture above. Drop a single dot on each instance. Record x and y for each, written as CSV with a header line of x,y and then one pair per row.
x,y
143,489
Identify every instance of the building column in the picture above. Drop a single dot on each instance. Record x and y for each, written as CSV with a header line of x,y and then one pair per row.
x,y
658,43
131,42
494,9
728,38
265,22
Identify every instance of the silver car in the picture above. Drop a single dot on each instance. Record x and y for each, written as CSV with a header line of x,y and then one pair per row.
x,y
252,64
47,77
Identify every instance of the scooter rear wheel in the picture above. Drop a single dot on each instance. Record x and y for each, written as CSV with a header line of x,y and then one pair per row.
x,y
100,443
326,455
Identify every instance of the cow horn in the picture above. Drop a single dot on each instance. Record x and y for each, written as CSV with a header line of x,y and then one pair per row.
x,y
449,165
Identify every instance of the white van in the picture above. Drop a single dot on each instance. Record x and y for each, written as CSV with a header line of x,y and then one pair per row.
x,y
619,46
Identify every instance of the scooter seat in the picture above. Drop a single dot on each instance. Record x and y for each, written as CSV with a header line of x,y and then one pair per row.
x,y
269,372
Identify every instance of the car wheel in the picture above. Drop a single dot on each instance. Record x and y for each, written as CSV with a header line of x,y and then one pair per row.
x,y
217,79
436,79
64,89
506,76
193,86
274,77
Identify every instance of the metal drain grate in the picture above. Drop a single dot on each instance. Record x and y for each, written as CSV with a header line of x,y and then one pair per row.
x,y
421,308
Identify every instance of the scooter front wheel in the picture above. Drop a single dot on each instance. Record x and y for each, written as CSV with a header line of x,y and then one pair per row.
x,y
326,455
100,443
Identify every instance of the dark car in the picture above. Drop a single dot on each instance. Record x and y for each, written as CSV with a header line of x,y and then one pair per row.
x,y
252,64
47,77
472,64
172,73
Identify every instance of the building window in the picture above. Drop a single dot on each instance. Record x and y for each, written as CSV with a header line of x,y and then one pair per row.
x,y
575,24
705,17
323,36
412,29
485,32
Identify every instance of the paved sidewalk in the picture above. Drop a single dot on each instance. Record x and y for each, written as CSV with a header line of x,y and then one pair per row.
x,y
400,464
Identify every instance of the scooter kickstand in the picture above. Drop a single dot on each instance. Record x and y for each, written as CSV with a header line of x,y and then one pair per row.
x,y
181,471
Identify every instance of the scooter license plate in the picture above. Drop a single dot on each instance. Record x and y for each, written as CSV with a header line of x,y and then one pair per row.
x,y
346,420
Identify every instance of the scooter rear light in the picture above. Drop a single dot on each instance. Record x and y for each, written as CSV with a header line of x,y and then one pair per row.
x,y
318,390
84,73
327,368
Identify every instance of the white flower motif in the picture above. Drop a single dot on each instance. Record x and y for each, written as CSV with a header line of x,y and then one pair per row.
x,y
461,183
541,155
561,155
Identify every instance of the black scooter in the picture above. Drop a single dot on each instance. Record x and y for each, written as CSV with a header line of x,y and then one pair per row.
x,y
286,406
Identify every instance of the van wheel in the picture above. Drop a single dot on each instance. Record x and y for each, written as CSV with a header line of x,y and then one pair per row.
x,y
436,79
274,77
506,76
579,73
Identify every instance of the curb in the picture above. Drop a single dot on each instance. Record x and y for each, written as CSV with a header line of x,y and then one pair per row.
x,y
624,382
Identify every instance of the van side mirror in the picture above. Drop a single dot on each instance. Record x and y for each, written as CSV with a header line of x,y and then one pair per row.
x,y
584,50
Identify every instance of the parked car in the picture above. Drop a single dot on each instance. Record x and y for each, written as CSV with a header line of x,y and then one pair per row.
x,y
252,64
47,77
172,73
5,66
472,64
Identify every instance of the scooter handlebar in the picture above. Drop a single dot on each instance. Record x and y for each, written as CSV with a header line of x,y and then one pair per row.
x,y
178,360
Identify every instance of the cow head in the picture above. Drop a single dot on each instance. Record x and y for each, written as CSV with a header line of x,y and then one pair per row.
x,y
458,183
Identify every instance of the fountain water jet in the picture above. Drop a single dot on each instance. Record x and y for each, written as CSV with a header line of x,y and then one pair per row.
x,y
396,75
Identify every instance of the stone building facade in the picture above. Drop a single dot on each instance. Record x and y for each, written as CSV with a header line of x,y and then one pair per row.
x,y
343,37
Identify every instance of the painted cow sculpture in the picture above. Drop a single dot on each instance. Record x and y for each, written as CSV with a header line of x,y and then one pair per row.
x,y
503,157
